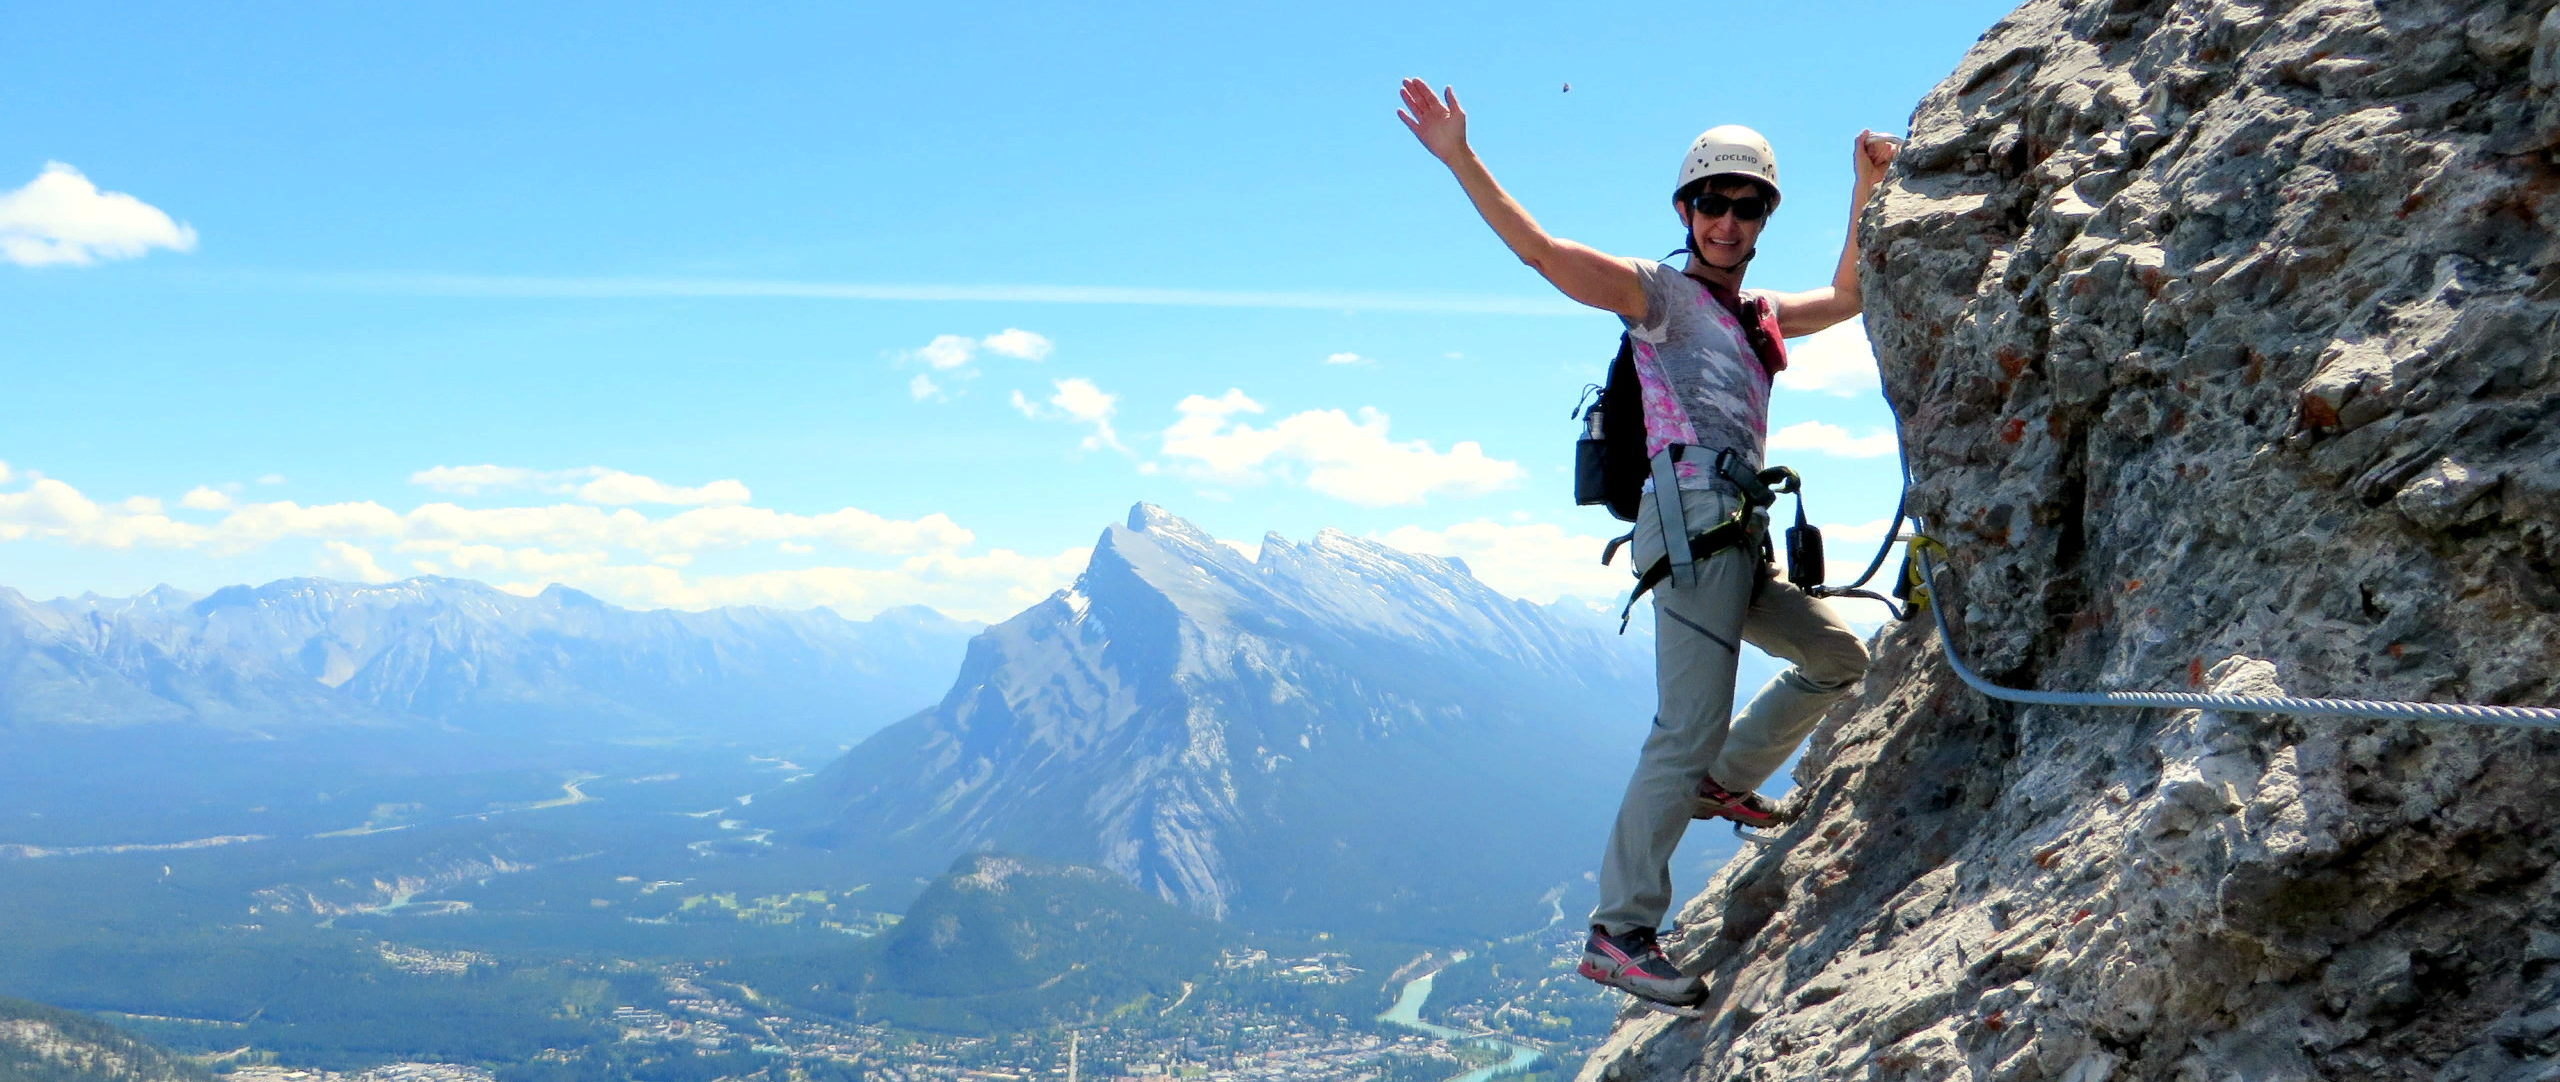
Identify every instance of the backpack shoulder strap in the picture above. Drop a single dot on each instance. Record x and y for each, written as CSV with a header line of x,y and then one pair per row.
x,y
1759,317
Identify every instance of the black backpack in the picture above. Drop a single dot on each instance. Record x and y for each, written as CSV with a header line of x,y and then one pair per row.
x,y
1609,461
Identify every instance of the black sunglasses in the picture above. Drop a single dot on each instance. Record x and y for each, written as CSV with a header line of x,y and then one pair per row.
x,y
1749,208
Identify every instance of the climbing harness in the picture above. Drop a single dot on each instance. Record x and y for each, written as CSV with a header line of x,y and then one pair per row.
x,y
1680,564
1924,551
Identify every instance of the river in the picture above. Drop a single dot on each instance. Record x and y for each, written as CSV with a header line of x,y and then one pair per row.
x,y
1408,1013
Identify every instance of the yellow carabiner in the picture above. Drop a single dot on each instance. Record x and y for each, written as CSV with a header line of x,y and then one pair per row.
x,y
1915,581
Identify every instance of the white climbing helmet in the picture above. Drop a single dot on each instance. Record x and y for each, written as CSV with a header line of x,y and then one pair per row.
x,y
1730,150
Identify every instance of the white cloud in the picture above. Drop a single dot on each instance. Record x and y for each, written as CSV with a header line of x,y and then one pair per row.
x,y
1835,360
471,480
1327,451
60,217
593,484
1833,440
989,587
496,560
617,487
947,351
1537,562
1347,358
4,473
251,526
271,479
1087,403
954,356
618,553
1080,400
1016,342
341,559
51,509
442,525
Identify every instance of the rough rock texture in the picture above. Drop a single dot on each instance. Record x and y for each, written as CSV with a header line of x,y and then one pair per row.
x,y
2223,336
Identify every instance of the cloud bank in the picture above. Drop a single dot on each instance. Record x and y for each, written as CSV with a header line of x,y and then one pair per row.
x,y
592,484
1327,451
591,538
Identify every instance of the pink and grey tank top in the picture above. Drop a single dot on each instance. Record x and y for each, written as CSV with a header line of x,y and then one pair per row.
x,y
1703,386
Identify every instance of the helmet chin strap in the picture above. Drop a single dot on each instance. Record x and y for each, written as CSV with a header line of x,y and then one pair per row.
x,y
1738,264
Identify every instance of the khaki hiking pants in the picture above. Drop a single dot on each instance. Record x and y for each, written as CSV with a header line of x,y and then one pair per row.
x,y
1698,632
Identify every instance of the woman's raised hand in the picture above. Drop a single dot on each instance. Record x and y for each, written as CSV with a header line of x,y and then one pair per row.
x,y
1875,152
1440,124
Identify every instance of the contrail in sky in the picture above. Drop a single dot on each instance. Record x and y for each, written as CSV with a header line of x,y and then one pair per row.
x,y
470,285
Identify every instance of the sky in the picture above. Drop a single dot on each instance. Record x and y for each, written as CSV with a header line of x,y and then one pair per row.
x,y
866,305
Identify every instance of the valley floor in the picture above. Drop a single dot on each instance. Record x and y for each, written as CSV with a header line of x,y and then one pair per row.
x,y
1218,1045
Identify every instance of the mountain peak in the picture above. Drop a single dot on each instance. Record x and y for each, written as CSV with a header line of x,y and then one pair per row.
x,y
1147,516
1190,719
563,595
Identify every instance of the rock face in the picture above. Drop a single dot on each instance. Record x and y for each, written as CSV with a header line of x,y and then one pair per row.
x,y
2223,337
1334,733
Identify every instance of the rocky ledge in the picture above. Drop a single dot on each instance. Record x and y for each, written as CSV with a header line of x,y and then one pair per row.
x,y
2223,337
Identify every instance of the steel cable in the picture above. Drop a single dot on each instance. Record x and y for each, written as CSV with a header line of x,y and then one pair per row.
x,y
2528,717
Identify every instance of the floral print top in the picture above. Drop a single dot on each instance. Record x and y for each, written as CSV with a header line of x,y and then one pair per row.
x,y
1702,384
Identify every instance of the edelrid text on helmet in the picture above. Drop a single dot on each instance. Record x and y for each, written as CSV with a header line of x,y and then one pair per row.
x,y
1729,150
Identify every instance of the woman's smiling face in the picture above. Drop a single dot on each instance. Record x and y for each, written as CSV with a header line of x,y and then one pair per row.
x,y
1726,239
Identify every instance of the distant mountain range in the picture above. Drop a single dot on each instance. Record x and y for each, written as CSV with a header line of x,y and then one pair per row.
x,y
1335,732
1329,734
299,656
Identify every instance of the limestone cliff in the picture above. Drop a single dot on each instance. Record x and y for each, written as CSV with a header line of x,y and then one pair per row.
x,y
2223,339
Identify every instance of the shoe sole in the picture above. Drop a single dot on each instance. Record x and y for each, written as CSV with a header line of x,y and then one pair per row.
x,y
1675,1010
1597,973
1736,815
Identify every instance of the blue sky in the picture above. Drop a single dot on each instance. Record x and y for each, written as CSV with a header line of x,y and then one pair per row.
x,y
860,305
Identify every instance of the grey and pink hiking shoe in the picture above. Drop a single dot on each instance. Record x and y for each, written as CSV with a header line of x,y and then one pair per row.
x,y
1634,963
1747,808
